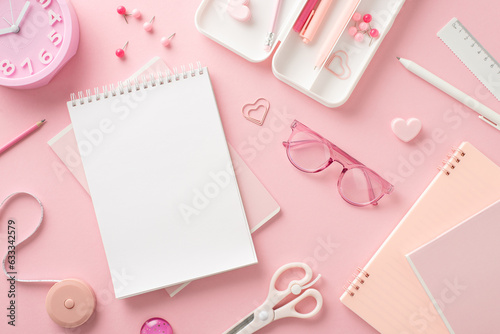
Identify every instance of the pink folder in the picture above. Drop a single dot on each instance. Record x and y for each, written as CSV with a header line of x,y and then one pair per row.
x,y
386,293
458,270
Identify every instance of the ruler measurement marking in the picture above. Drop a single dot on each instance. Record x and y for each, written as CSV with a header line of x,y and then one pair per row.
x,y
464,45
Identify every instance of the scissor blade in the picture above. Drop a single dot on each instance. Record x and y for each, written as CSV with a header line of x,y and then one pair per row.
x,y
237,328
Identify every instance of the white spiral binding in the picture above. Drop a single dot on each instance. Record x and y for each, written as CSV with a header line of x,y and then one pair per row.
x,y
128,86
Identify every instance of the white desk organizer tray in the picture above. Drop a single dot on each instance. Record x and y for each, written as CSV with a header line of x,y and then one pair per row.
x,y
294,61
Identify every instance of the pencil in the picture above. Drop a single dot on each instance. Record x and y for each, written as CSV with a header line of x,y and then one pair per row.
x,y
22,136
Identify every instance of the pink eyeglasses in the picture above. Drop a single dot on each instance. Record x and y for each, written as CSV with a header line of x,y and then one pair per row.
x,y
357,184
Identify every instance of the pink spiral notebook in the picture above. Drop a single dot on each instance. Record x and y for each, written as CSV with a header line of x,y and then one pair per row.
x,y
453,268
386,293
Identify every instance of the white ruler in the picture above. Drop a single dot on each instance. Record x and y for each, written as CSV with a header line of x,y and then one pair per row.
x,y
472,54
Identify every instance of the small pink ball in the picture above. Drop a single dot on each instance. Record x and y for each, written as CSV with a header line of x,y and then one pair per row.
x,y
356,17
374,33
364,26
353,31
359,37
136,13
120,53
165,41
121,10
367,18
148,26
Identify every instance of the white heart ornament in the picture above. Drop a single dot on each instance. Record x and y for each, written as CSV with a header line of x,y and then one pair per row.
x,y
406,130
239,10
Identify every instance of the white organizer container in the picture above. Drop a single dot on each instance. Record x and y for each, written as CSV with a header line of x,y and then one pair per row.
x,y
294,61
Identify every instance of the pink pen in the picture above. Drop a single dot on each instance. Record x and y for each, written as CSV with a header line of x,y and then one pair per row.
x,y
305,14
22,136
271,34
336,32
312,27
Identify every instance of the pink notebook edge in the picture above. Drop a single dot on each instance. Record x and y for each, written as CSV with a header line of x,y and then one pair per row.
x,y
429,293
417,271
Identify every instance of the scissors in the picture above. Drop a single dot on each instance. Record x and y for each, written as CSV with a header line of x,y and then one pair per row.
x,y
265,314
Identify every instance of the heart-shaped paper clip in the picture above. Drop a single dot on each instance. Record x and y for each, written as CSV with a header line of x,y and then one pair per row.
x,y
338,64
261,103
239,10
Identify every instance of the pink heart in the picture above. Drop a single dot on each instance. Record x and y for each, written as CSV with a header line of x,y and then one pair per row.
x,y
260,104
239,10
338,65
406,130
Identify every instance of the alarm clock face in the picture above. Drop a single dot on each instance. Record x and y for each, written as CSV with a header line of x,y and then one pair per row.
x,y
37,37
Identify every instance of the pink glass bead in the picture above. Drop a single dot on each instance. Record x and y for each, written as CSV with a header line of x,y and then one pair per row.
x,y
359,37
356,17
156,326
367,18
136,13
148,26
120,53
374,33
364,26
353,31
121,10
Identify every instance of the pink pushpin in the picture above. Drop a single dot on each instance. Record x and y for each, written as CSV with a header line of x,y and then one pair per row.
x,y
165,41
120,53
148,26
122,11
136,13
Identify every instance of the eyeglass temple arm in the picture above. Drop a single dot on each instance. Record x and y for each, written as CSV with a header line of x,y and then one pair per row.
x,y
299,142
370,190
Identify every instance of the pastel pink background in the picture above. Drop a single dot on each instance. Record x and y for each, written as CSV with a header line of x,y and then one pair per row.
x,y
315,225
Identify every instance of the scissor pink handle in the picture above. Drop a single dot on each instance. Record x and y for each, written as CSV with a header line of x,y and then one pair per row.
x,y
288,310
275,295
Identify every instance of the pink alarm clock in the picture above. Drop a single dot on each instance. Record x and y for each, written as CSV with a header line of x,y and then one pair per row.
x,y
37,38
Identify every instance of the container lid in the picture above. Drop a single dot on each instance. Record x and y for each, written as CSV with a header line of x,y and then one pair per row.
x,y
246,38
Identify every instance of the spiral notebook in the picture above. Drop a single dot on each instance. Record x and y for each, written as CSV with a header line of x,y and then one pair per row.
x,y
452,269
161,180
386,293
260,206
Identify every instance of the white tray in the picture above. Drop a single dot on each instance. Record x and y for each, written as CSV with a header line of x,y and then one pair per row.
x,y
294,61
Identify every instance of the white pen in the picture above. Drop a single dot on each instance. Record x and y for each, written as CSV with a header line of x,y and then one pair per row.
x,y
486,114
270,35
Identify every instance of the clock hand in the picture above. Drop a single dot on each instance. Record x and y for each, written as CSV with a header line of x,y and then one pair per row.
x,y
11,11
6,31
21,15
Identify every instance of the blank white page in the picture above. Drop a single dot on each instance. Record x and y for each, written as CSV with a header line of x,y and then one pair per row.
x,y
162,183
